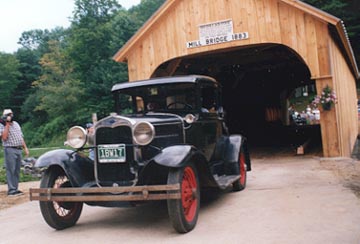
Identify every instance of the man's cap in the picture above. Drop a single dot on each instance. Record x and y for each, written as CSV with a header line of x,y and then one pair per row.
x,y
7,111
88,125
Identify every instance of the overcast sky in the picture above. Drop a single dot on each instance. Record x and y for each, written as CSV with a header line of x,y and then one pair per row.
x,y
17,16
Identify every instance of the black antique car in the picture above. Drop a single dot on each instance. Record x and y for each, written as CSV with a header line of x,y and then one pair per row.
x,y
167,140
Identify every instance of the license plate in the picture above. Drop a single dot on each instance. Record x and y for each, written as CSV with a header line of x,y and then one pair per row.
x,y
113,153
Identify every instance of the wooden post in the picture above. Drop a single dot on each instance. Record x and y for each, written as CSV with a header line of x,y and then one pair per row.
x,y
328,122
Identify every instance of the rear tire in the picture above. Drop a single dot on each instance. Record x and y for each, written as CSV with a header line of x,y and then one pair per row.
x,y
59,215
184,212
240,184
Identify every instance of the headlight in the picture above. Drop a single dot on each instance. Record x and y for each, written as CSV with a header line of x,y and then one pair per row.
x,y
76,137
144,133
189,118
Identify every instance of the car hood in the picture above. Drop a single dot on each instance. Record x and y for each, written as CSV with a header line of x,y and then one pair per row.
x,y
153,118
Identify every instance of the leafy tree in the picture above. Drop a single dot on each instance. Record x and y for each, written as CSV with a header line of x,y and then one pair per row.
x,y
9,79
145,9
35,43
91,47
37,40
60,92
123,26
57,97
30,71
335,7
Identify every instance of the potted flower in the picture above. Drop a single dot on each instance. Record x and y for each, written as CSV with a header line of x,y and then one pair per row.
x,y
326,99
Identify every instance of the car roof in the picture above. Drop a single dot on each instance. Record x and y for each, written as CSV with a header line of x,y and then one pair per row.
x,y
165,80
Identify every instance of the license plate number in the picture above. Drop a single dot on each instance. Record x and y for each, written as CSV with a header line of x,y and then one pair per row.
x,y
114,153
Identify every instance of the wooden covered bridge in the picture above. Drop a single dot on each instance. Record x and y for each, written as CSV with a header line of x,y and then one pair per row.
x,y
260,51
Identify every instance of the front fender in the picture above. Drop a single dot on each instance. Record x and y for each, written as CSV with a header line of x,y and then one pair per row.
x,y
156,171
174,156
77,167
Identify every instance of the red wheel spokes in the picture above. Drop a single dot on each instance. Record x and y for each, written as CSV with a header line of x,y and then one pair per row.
x,y
188,194
242,168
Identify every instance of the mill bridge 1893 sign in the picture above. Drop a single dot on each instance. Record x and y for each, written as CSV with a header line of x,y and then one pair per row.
x,y
215,33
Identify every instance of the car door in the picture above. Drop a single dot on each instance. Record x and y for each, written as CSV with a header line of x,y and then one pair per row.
x,y
210,123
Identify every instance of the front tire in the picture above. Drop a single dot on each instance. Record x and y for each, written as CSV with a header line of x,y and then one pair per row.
x,y
184,212
59,215
240,184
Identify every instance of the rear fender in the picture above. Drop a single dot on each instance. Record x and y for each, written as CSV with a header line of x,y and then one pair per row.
x,y
78,167
232,151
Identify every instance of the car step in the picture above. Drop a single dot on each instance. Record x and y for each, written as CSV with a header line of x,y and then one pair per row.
x,y
225,180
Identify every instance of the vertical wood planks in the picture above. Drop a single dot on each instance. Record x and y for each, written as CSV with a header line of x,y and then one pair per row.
x,y
267,21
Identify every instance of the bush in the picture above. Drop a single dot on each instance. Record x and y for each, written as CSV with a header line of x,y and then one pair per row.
x,y
50,134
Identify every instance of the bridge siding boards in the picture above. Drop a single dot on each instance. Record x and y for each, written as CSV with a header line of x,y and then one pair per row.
x,y
289,22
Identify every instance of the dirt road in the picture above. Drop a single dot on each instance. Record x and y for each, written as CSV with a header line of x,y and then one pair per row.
x,y
287,200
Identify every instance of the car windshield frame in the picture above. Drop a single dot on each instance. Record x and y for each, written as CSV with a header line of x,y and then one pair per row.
x,y
143,99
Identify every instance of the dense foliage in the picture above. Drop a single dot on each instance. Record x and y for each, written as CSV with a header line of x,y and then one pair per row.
x,y
60,77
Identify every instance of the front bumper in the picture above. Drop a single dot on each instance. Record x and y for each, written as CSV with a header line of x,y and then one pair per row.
x,y
106,194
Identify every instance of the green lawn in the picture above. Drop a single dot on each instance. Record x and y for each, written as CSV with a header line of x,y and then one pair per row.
x,y
23,178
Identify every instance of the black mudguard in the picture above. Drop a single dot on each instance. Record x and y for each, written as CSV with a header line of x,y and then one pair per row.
x,y
226,155
175,156
236,142
78,167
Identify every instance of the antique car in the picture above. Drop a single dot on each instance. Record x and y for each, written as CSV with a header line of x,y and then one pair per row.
x,y
166,140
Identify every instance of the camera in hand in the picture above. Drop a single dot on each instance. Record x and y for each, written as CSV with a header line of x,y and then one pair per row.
x,y
6,118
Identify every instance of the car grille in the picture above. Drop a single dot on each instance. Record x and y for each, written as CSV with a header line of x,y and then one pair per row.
x,y
118,172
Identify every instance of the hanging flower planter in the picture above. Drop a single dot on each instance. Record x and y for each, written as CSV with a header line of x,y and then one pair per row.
x,y
326,99
326,106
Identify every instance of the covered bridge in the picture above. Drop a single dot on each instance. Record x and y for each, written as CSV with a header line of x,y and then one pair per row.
x,y
261,51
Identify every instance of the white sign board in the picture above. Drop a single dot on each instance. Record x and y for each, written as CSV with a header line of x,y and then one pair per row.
x,y
220,30
215,33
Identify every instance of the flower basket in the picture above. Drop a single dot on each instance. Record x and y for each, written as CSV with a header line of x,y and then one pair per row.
x,y
326,106
326,99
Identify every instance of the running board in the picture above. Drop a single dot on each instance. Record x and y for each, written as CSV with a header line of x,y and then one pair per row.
x,y
226,180
105,194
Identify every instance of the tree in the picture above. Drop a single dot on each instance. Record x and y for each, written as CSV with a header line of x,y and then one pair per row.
x,y
37,40
60,92
91,47
145,10
30,71
9,79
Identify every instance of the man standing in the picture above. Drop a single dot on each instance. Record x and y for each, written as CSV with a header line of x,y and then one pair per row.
x,y
13,143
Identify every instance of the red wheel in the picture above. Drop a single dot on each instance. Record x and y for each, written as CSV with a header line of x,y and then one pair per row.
x,y
241,183
184,212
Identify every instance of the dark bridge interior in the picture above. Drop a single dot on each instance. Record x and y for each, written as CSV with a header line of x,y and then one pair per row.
x,y
257,82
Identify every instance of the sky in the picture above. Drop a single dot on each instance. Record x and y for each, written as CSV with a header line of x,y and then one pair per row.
x,y
17,16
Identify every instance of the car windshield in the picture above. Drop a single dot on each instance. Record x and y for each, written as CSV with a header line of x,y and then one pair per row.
x,y
173,98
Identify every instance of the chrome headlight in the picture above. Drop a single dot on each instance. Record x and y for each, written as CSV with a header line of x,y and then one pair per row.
x,y
189,118
76,137
144,133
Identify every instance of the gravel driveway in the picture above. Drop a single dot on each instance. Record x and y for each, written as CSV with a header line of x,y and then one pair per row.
x,y
287,200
